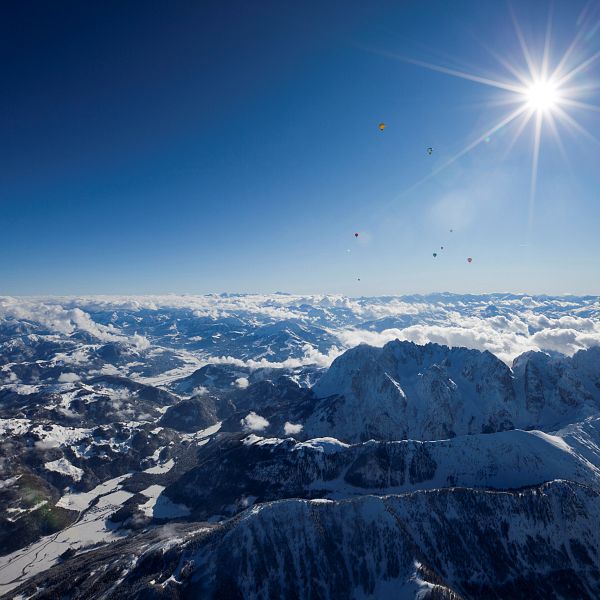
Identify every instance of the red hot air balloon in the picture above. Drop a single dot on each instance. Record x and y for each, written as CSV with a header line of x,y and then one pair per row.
x,y
469,260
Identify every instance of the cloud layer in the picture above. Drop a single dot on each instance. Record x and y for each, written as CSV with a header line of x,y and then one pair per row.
x,y
507,338
505,324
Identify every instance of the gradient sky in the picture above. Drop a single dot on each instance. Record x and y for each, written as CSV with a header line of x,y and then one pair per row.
x,y
192,147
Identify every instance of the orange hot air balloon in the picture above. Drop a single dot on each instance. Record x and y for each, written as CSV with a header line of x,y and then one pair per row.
x,y
381,126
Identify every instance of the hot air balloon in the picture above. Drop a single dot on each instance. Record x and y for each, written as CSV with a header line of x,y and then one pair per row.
x,y
441,247
381,126
356,235
429,151
469,260
451,230
434,254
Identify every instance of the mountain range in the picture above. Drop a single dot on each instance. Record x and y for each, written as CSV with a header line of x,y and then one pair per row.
x,y
302,447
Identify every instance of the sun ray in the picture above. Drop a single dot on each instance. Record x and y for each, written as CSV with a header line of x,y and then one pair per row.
x,y
534,165
502,123
522,42
518,132
567,54
577,104
580,67
565,116
546,56
580,90
556,135
456,73
584,12
522,77
501,102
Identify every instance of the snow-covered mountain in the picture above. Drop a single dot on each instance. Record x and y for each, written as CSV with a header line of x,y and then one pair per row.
x,y
258,469
248,446
443,544
431,392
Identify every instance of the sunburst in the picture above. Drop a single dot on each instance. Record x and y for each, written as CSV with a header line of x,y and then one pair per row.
x,y
541,96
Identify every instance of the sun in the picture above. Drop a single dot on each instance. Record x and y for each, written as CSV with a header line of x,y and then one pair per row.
x,y
542,96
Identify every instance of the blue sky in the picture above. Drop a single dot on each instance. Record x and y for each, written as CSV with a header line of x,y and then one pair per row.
x,y
181,147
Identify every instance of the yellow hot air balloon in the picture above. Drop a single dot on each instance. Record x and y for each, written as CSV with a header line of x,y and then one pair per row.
x,y
381,126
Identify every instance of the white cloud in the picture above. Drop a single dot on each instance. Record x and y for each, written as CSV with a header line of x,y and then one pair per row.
x,y
140,342
56,318
566,341
311,357
108,369
292,428
254,422
68,378
505,337
242,382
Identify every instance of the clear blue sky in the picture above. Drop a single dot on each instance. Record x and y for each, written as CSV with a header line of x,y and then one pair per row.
x,y
153,147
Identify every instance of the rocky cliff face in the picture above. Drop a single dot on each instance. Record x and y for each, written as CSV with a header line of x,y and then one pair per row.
x,y
406,391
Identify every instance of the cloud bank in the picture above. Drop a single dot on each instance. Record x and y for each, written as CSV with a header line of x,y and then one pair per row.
x,y
504,324
507,338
